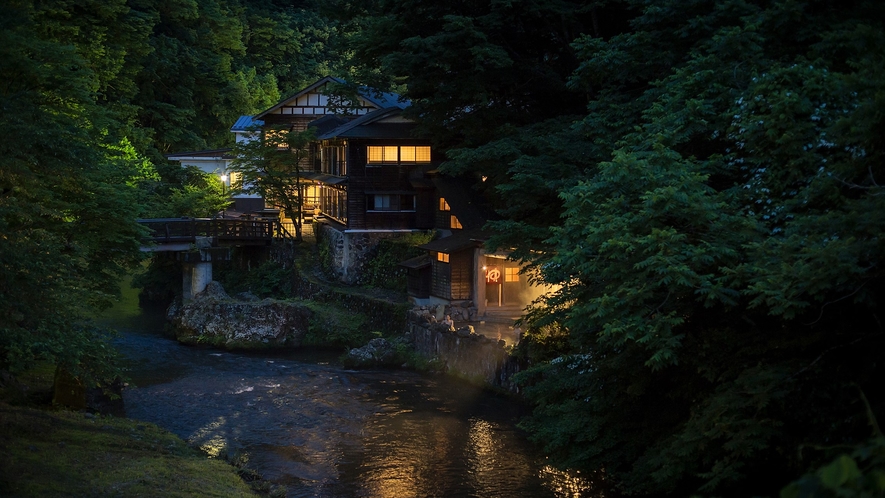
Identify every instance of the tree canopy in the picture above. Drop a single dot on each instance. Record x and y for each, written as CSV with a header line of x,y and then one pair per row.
x,y
703,182
68,201
93,94
700,180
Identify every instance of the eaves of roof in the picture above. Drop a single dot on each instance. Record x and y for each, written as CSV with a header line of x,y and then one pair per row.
x,y
246,123
458,241
201,154
416,262
324,178
348,130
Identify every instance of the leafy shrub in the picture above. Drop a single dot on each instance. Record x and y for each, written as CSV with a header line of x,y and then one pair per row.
x,y
382,270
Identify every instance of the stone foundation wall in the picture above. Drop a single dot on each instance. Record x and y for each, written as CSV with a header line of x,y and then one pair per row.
x,y
465,354
348,253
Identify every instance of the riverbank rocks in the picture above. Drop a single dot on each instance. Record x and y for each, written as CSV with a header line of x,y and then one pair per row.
x,y
216,319
464,353
379,352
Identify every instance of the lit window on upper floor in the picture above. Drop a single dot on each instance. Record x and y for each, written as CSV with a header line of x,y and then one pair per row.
x,y
392,154
443,205
443,257
454,223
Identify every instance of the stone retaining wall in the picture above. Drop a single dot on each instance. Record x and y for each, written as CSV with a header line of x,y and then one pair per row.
x,y
465,354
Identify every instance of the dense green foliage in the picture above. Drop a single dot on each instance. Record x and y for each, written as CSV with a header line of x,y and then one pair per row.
x,y
68,201
702,180
93,93
382,268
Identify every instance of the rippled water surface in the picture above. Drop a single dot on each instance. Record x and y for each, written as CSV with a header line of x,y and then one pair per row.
x,y
302,420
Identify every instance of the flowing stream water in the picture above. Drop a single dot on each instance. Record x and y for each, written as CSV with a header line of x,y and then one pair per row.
x,y
302,420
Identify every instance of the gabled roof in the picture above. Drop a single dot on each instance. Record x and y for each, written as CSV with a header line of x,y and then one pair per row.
x,y
381,100
370,126
328,123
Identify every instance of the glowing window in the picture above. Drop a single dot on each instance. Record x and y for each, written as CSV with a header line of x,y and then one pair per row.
x,y
409,154
383,154
454,223
443,205
441,256
511,274
394,154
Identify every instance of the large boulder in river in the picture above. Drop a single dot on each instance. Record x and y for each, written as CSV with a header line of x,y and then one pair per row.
x,y
214,318
377,353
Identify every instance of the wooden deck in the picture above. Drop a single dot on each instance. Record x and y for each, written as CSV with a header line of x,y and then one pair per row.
x,y
170,233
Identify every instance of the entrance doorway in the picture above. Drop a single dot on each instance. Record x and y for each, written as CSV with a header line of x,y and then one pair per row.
x,y
504,285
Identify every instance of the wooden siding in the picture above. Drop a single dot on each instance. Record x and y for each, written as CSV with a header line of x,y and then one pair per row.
x,y
461,274
441,276
424,209
388,178
453,280
419,282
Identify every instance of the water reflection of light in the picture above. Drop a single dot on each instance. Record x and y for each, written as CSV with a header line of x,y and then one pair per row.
x,y
411,464
210,439
569,484
492,468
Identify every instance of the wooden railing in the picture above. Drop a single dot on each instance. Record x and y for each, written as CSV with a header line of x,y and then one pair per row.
x,y
177,230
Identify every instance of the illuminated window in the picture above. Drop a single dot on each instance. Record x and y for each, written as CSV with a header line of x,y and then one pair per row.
x,y
454,223
383,154
392,154
409,154
511,274
236,179
443,205
441,256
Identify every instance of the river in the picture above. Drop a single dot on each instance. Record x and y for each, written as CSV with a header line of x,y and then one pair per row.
x,y
302,420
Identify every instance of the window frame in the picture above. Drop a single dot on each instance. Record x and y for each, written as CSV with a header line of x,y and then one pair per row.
x,y
396,201
385,152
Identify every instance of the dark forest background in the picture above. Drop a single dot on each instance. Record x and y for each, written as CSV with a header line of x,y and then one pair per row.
x,y
701,181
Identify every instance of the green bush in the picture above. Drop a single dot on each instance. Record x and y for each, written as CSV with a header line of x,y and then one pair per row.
x,y
335,327
382,268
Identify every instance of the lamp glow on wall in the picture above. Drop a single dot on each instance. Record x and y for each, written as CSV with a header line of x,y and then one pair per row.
x,y
223,183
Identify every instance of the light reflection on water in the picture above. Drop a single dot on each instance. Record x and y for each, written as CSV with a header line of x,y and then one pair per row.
x,y
301,420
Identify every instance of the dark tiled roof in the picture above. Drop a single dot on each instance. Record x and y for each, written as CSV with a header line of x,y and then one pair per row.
x,y
458,241
416,262
368,126
208,154
324,178
328,122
